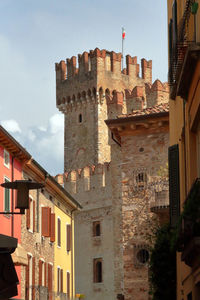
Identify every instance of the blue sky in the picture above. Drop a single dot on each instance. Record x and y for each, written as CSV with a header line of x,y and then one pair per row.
x,y
36,34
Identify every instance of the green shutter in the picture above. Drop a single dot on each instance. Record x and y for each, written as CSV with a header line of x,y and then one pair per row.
x,y
174,184
6,198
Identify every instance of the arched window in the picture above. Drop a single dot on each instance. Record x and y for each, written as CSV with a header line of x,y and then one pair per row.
x,y
96,228
98,270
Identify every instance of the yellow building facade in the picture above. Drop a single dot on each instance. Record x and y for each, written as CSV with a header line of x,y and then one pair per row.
x,y
64,251
64,275
184,151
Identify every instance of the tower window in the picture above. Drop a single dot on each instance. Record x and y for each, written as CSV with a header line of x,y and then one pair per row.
x,y
80,119
143,256
96,228
98,270
141,179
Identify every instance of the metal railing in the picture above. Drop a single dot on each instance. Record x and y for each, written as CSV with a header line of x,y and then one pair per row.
x,y
180,47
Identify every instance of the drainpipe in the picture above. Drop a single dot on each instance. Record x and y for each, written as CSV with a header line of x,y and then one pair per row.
x,y
12,198
38,212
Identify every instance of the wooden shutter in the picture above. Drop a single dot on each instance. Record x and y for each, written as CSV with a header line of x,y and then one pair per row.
x,y
46,221
45,274
40,272
28,216
68,237
174,184
7,199
50,277
61,279
33,278
33,216
68,285
52,234
59,232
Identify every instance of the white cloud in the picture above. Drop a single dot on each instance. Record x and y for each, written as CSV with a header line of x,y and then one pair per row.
x,y
11,126
56,123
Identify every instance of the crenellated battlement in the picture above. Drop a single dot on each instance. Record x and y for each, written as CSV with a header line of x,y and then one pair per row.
x,y
86,179
96,70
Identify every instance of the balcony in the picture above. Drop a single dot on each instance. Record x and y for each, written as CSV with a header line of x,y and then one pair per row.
x,y
161,202
183,42
188,241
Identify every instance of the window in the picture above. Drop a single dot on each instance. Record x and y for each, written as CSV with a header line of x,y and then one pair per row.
x,y
6,197
6,158
143,256
30,215
50,281
80,118
59,232
68,285
189,296
42,273
68,237
59,280
30,278
96,228
141,180
97,265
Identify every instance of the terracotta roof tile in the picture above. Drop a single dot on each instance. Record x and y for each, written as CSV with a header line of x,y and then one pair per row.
x,y
163,107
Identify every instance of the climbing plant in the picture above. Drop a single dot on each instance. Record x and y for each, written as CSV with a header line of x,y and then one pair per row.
x,y
163,266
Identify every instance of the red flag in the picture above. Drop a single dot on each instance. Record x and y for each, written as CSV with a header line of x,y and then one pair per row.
x,y
123,33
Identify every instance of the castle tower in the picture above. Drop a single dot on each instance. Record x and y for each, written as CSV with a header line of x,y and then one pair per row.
x,y
88,94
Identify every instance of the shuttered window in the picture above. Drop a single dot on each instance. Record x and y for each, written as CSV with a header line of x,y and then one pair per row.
x,y
174,184
50,280
174,23
6,198
68,285
52,233
46,221
33,278
59,232
68,237
61,280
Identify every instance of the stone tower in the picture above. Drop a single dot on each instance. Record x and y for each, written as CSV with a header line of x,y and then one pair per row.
x,y
88,95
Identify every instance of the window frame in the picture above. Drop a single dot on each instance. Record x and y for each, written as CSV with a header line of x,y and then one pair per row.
x,y
6,153
58,233
96,275
6,179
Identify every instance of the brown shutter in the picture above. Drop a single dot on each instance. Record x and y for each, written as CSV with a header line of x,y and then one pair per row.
x,y
68,237
46,221
59,232
50,277
68,285
174,184
52,235
40,272
33,216
61,280
28,216
45,274
27,280
33,278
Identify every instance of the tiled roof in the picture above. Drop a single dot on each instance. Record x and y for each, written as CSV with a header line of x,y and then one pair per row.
x,y
163,107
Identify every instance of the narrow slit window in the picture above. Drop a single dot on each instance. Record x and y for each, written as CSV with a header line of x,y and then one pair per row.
x,y
80,118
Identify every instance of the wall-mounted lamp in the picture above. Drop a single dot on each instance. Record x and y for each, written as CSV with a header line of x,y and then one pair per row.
x,y
22,187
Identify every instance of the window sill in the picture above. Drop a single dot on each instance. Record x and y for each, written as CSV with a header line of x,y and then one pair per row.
x,y
7,216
